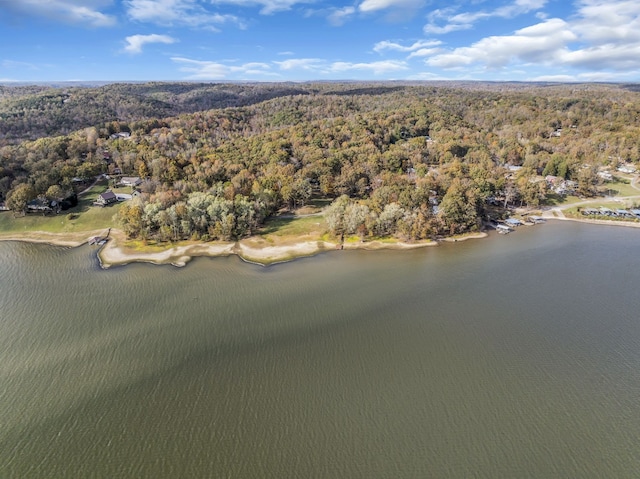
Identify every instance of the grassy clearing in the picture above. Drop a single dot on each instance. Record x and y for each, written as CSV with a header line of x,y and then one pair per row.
x,y
619,189
286,227
83,217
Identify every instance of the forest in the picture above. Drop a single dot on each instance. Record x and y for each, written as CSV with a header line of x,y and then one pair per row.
x,y
410,160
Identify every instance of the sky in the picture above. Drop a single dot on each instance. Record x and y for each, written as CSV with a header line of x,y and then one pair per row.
x,y
302,40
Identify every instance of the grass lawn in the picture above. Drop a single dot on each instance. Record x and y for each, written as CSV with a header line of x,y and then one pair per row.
x,y
293,226
619,189
83,217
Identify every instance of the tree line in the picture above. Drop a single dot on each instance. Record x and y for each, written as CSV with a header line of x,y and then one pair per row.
x,y
414,161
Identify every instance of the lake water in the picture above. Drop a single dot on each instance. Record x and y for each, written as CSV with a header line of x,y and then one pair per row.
x,y
511,357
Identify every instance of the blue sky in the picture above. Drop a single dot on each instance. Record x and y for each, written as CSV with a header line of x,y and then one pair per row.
x,y
296,40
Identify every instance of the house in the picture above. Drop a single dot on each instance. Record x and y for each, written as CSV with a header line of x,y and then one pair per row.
x,y
130,181
552,180
106,198
39,205
122,135
627,169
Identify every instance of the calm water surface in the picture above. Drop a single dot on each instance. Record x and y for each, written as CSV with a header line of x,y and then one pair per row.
x,y
512,357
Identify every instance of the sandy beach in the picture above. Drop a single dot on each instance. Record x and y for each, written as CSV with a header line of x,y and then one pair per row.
x,y
253,250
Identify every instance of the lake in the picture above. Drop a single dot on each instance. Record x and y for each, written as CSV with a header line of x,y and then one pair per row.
x,y
512,356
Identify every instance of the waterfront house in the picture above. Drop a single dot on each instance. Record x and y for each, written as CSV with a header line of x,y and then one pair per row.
x,y
39,205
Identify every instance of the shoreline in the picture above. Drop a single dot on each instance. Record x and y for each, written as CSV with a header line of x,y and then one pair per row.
x,y
626,224
254,250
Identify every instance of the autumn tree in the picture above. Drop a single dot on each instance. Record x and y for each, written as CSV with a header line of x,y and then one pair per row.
x,y
18,198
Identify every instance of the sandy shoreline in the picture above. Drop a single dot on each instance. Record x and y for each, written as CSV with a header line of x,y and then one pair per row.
x,y
253,250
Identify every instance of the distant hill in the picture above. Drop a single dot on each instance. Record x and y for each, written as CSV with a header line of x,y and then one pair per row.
x,y
29,112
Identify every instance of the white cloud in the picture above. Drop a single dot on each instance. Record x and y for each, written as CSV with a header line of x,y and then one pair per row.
x,y
601,36
590,77
602,22
268,6
319,66
424,52
340,15
208,70
176,12
387,45
451,27
465,20
540,43
136,42
615,57
426,76
377,68
375,5
84,12
202,69
309,64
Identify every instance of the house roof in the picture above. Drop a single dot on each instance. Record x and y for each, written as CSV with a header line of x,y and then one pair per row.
x,y
130,179
108,195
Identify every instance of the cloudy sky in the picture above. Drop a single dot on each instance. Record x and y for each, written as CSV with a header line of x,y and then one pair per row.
x,y
293,40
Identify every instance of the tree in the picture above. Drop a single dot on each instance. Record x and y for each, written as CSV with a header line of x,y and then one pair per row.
x,y
54,192
355,218
334,215
130,217
459,206
18,198
387,220
587,181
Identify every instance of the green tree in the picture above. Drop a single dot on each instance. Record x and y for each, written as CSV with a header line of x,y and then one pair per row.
x,y
18,198
54,192
459,207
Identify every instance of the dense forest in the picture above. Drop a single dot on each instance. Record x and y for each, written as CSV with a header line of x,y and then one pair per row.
x,y
407,160
30,112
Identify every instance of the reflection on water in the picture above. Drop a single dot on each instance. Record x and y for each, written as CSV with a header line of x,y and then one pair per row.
x,y
509,357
